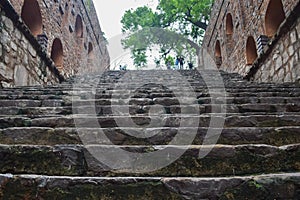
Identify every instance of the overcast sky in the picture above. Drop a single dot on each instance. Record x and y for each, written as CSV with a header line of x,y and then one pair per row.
x,y
110,13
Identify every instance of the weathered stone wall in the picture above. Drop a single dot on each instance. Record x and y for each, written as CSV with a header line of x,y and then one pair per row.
x,y
22,62
282,64
248,19
86,52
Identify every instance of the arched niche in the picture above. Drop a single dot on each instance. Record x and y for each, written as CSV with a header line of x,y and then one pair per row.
x,y
218,54
251,50
79,27
274,17
31,15
90,51
229,24
57,54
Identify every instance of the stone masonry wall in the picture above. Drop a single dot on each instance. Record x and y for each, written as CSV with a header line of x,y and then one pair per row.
x,y
86,53
283,62
248,19
22,61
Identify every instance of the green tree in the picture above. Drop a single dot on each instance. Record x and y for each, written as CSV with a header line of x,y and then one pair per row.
x,y
188,18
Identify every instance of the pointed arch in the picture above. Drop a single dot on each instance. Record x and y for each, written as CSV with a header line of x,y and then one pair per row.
x,y
218,54
32,17
90,51
229,24
275,15
57,54
251,51
79,27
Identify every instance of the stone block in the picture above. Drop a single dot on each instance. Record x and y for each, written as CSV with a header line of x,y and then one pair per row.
x,y
288,78
291,50
278,63
1,50
265,76
6,84
5,37
24,43
285,57
9,73
21,76
13,46
6,59
2,68
8,24
281,74
31,50
293,37
18,34
25,59
281,47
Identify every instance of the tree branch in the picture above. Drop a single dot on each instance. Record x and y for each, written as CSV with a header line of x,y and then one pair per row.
x,y
199,24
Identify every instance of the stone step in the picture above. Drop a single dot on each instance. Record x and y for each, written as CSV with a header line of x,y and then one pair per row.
x,y
88,121
166,101
231,109
148,136
267,186
230,87
108,94
75,160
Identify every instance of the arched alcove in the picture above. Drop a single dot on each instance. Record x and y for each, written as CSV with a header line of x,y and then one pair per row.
x,y
79,27
229,24
31,15
218,53
90,51
57,54
274,17
251,50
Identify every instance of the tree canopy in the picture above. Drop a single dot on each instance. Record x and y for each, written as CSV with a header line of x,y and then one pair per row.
x,y
189,18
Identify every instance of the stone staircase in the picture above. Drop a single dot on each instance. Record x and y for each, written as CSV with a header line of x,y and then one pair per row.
x,y
49,137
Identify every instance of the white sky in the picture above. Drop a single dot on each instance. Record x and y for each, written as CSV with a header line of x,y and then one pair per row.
x,y
110,13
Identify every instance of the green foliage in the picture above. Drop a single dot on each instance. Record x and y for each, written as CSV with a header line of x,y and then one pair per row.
x,y
139,58
189,18
168,41
140,18
89,3
169,60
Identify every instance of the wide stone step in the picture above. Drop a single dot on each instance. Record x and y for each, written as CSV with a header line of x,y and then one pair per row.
x,y
165,101
232,109
268,186
102,110
203,95
148,136
75,160
141,87
87,121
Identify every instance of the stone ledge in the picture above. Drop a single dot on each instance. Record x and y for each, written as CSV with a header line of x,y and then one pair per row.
x,y
269,186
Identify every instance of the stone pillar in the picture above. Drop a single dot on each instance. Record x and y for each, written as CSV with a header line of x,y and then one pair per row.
x,y
262,41
43,41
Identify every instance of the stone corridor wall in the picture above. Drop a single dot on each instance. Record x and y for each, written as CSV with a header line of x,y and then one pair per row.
x,y
232,39
75,41
22,62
